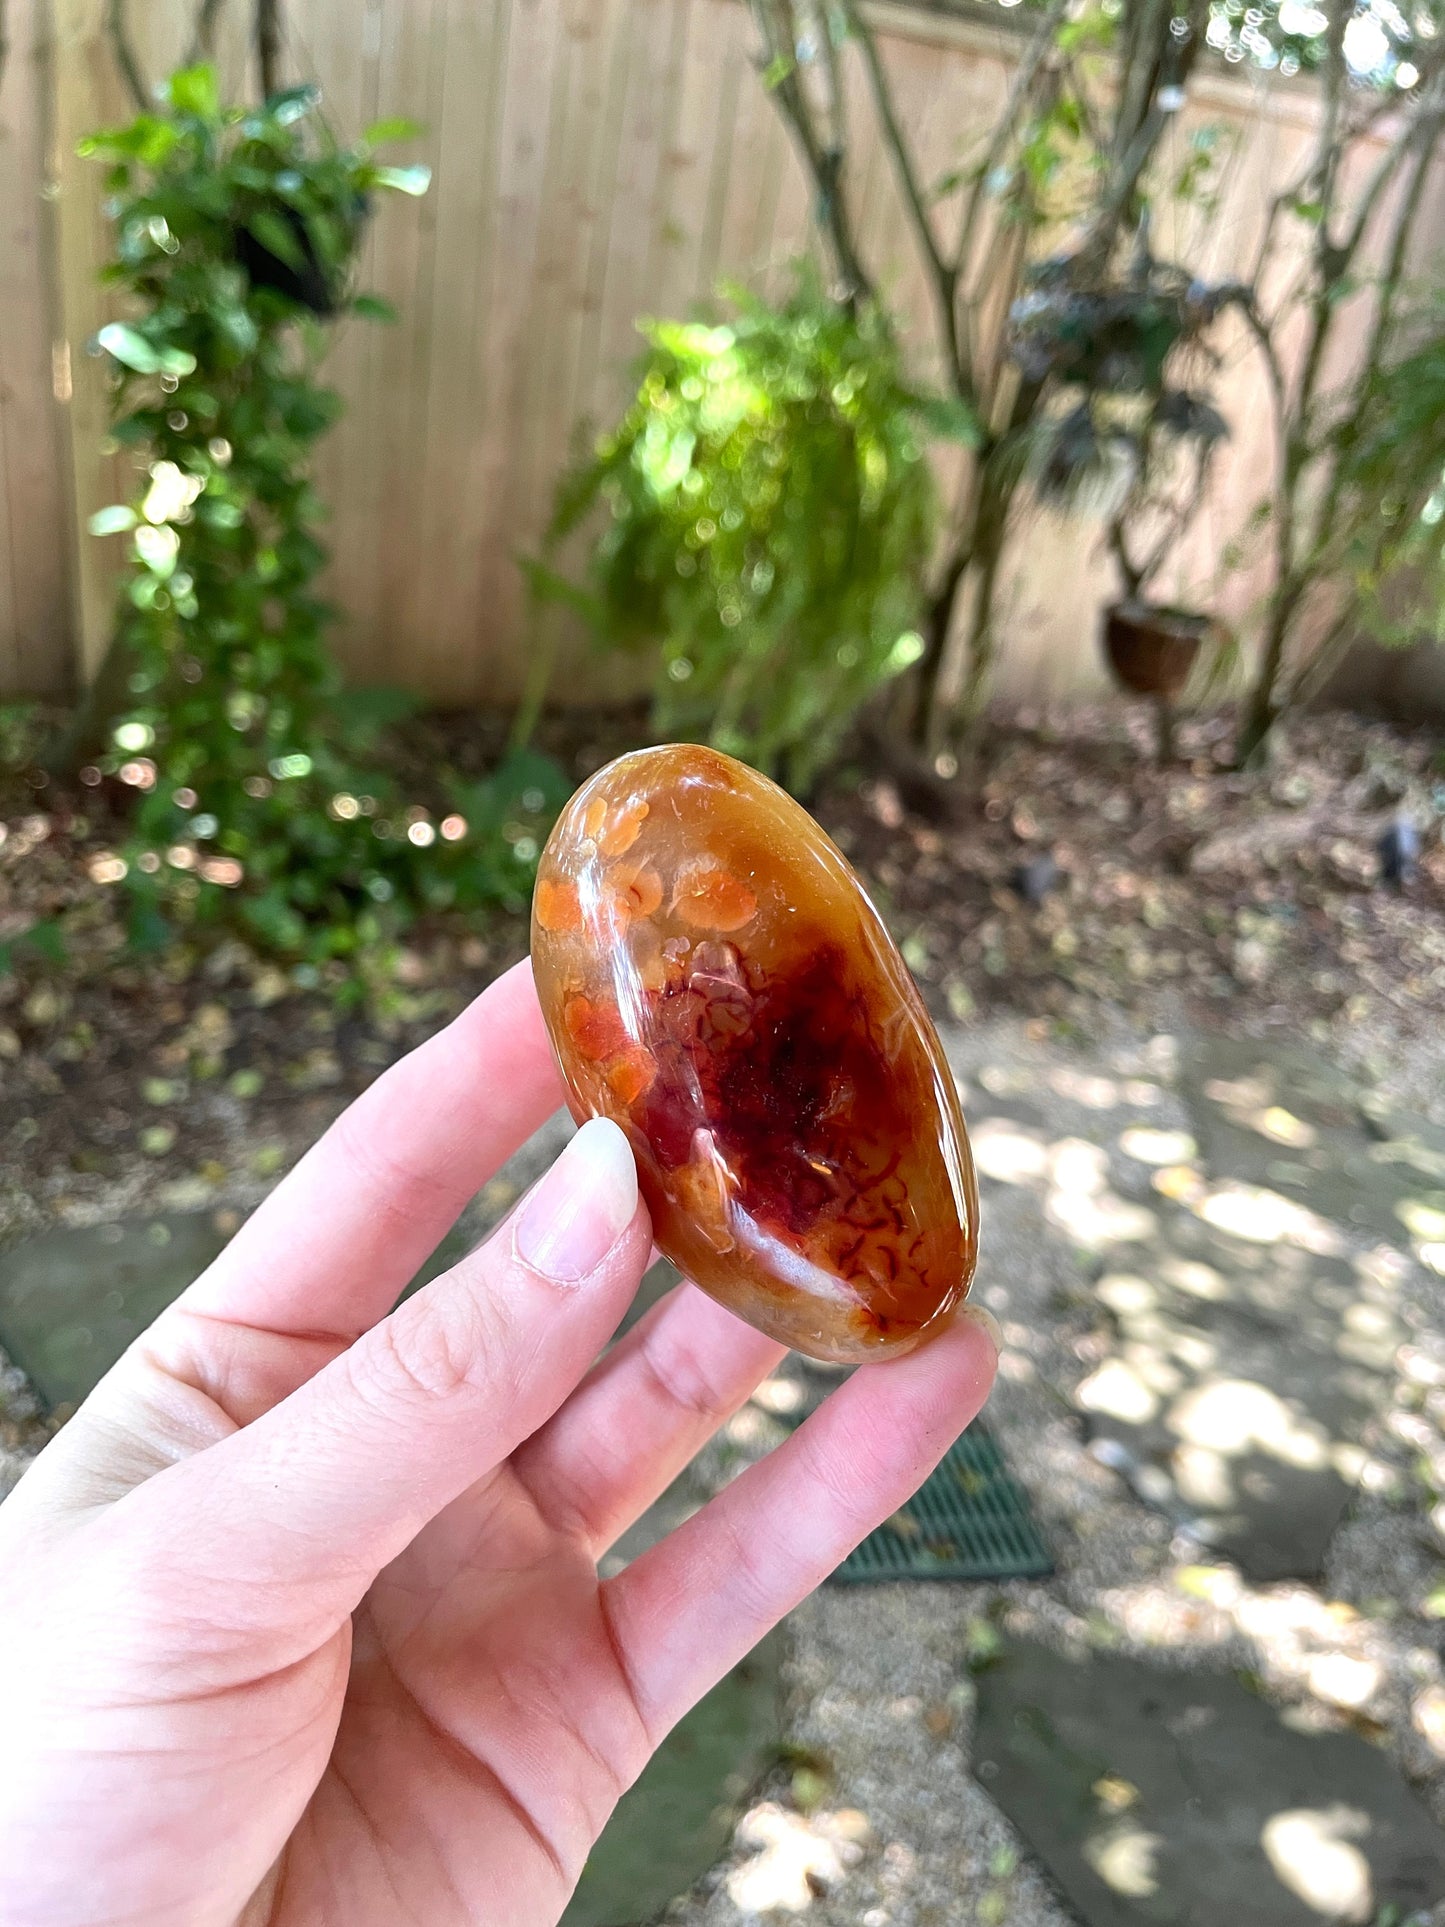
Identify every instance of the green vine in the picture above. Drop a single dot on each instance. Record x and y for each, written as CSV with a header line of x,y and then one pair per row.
x,y
237,237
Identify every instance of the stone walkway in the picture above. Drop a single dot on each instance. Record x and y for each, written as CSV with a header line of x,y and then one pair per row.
x,y
1218,1271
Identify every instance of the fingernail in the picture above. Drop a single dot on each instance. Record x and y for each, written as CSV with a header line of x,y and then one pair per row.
x,y
581,1208
986,1322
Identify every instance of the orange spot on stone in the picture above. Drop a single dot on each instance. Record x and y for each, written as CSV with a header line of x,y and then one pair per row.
x,y
636,891
630,1075
558,907
620,835
596,1029
710,898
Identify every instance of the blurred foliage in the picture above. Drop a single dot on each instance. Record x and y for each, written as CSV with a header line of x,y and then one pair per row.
x,y
1130,423
770,522
22,731
237,234
1391,480
1289,36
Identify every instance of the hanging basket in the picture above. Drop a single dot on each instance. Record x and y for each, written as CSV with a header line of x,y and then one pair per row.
x,y
1152,650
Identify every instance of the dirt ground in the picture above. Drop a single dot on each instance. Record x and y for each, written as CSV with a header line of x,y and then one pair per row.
x,y
1189,894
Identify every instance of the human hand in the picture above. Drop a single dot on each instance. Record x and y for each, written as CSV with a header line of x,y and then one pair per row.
x,y
300,1618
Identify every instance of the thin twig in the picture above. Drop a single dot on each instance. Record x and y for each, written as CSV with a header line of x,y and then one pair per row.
x,y
942,279
118,29
778,27
1018,94
203,35
268,45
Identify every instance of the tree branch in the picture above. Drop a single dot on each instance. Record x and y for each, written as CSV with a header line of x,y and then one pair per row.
x,y
942,279
268,45
118,29
778,27
203,35
1004,128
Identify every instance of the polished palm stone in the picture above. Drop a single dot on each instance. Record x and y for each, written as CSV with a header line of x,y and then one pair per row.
x,y
714,978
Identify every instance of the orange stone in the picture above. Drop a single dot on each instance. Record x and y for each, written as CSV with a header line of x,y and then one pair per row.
x,y
731,998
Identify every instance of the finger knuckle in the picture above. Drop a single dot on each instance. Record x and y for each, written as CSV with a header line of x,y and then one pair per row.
x,y
427,1353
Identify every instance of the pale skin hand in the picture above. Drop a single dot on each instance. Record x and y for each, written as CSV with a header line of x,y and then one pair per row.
x,y
300,1619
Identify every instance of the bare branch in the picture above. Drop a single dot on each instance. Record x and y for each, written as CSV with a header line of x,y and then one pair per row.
x,y
203,36
778,67
942,278
836,100
268,45
118,29
1004,130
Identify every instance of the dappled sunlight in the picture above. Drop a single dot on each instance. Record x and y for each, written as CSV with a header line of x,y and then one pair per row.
x,y
1202,1476
1081,1203
1157,1147
1008,1152
1196,1279
1117,1391
1344,1679
1312,1852
1124,1857
796,1857
1233,1416
1281,1127
1180,1183
1427,1716
1261,1216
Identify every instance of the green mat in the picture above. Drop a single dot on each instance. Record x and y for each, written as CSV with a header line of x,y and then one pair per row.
x,y
970,1519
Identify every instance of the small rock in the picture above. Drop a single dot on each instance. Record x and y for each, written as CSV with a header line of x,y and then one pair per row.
x,y
1034,880
1399,852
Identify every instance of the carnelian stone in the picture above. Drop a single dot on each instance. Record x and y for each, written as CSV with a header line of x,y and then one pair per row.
x,y
714,978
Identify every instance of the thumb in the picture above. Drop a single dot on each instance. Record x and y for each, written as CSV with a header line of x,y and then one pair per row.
x,y
330,1485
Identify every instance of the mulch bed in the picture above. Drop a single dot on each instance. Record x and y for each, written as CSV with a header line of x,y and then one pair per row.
x,y
1183,894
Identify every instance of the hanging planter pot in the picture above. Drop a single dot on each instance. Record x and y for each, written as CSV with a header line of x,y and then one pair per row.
x,y
1153,651
277,249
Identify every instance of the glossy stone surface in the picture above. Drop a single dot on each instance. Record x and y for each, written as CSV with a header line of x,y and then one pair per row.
x,y
715,979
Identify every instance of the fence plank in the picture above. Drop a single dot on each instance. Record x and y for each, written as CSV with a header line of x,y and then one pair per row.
x,y
593,160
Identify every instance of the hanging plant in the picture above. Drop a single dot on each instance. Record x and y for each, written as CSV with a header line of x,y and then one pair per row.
x,y
770,517
237,233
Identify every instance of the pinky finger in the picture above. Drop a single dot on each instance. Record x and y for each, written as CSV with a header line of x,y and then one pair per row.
x,y
688,1610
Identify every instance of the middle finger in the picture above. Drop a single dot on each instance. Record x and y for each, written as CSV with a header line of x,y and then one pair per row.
x,y
641,1414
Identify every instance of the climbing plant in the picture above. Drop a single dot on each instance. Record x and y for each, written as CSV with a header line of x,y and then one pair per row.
x,y
220,707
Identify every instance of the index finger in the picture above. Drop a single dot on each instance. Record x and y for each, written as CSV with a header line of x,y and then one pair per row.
x,y
335,1244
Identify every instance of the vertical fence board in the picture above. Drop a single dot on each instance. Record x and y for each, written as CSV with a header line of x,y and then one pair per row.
x,y
593,160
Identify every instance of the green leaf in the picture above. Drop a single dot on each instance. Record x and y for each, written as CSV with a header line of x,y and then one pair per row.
x,y
777,71
193,90
406,180
292,104
373,307
114,520
277,237
398,128
129,347
148,139
158,548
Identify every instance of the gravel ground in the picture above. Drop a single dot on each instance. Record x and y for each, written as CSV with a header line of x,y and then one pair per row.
x,y
878,1819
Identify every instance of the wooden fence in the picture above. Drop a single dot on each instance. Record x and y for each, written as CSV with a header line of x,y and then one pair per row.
x,y
593,160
